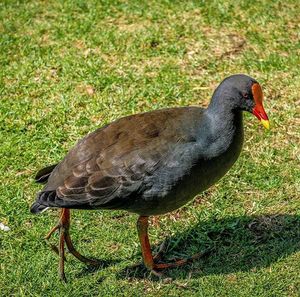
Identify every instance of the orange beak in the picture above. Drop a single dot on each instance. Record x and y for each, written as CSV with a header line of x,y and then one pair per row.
x,y
258,109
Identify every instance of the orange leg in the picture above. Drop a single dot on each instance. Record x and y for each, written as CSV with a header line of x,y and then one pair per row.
x,y
64,237
61,268
142,227
149,261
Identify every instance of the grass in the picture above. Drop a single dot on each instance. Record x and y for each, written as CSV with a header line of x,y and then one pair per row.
x,y
68,67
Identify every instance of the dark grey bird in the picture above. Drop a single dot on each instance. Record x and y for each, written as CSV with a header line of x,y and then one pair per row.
x,y
151,163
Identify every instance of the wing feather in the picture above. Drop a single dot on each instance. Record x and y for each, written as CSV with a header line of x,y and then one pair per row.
x,y
117,162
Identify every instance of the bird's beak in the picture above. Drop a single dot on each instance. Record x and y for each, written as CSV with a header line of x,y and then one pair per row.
x,y
260,113
258,109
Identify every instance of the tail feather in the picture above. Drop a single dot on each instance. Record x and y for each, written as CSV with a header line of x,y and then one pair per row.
x,y
38,208
44,200
43,175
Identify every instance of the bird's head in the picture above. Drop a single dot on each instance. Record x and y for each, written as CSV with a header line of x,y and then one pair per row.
x,y
244,93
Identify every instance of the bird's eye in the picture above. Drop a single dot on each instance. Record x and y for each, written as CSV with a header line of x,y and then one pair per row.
x,y
245,95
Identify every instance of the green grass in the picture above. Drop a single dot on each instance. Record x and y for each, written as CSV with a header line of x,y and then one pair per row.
x,y
68,67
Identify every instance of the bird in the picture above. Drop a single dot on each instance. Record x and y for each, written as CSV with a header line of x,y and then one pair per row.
x,y
150,163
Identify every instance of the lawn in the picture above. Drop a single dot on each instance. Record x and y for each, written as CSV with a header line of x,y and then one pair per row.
x,y
68,67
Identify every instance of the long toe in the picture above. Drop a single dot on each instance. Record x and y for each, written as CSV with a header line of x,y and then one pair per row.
x,y
80,257
179,262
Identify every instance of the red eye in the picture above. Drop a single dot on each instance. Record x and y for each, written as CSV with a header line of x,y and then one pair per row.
x,y
245,95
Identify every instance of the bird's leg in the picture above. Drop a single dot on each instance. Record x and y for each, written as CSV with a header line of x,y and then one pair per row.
x,y
62,234
64,212
142,227
64,237
149,261
56,227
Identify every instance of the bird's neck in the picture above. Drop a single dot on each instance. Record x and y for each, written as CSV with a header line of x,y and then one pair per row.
x,y
222,127
223,111
222,101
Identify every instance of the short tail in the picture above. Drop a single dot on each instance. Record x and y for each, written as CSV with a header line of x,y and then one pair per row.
x,y
38,208
43,175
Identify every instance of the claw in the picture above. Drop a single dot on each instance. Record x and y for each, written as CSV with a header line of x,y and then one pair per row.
x,y
150,261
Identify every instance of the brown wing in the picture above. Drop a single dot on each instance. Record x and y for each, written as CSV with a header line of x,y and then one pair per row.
x,y
112,163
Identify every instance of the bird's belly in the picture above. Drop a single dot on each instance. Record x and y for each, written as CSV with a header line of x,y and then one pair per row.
x,y
186,190
203,175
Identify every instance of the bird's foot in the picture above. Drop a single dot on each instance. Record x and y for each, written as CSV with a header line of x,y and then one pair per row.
x,y
157,257
53,247
157,267
70,247
63,227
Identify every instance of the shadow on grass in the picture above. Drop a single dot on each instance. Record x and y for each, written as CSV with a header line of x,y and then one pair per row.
x,y
234,244
93,269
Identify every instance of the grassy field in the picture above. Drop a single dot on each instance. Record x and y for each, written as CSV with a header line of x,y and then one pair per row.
x,y
68,67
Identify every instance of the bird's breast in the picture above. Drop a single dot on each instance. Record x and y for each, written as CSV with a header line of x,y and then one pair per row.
x,y
169,193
